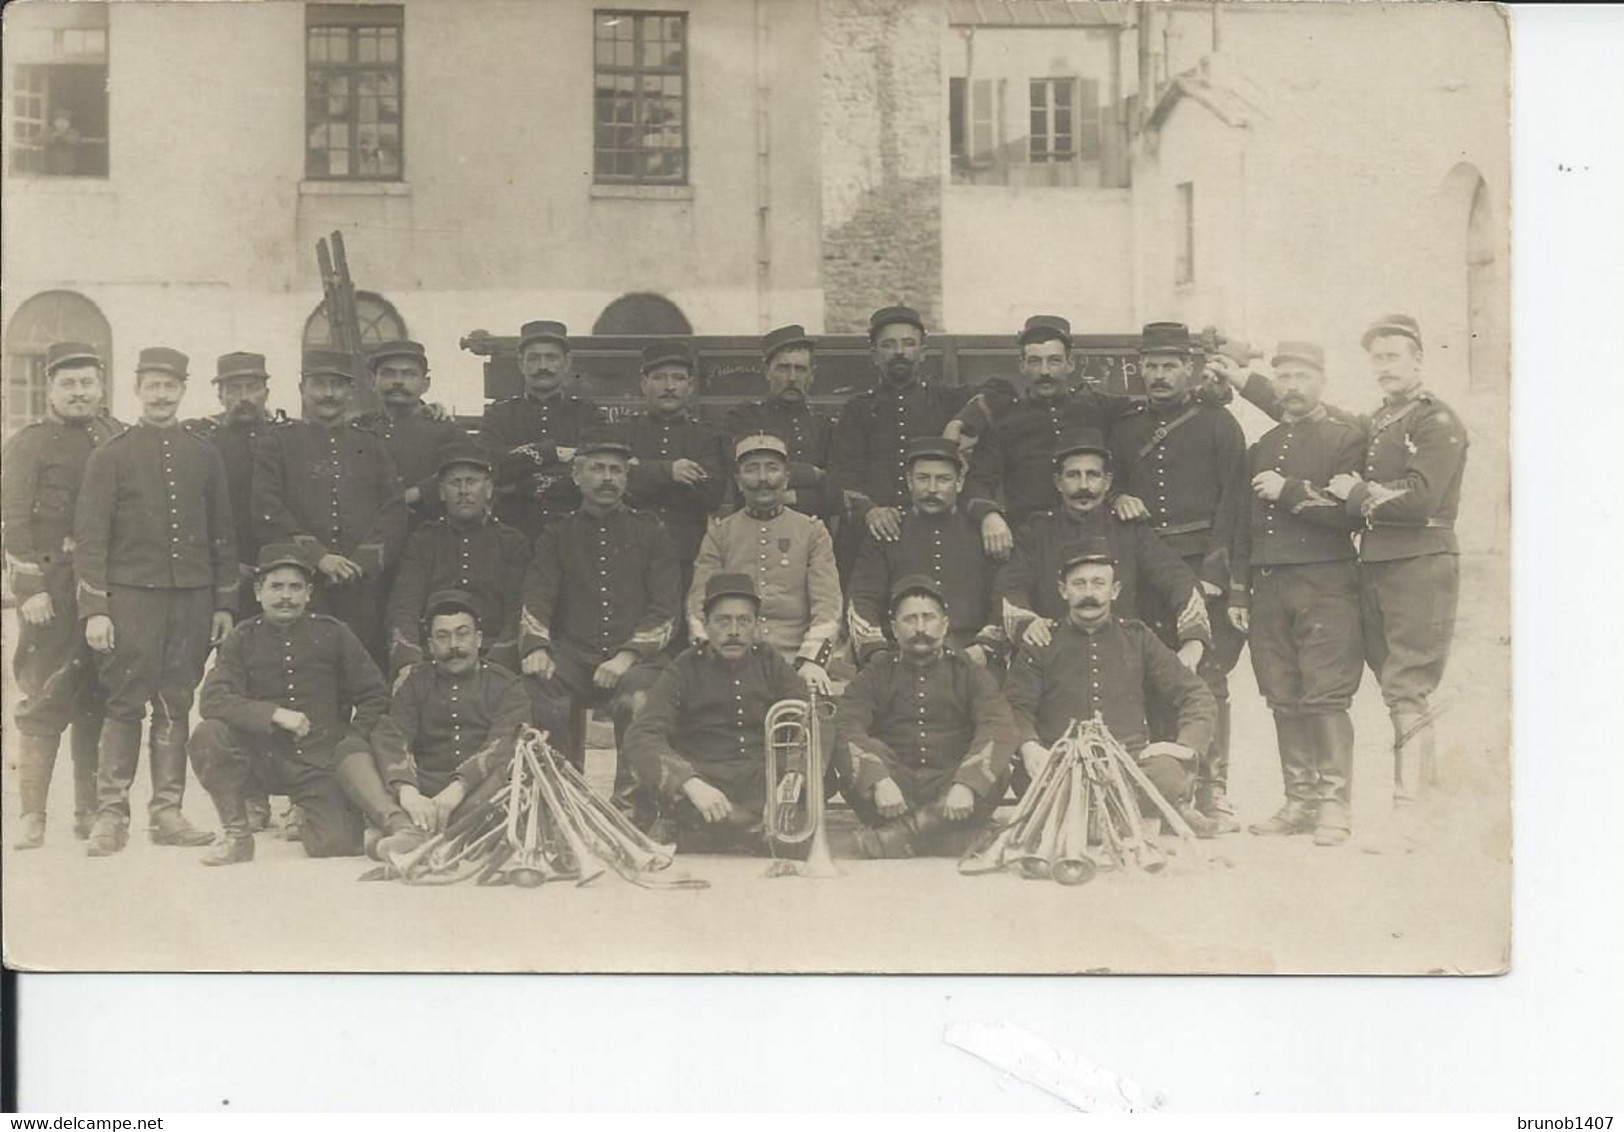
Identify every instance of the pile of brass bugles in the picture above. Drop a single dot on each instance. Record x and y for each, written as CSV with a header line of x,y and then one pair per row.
x,y
1079,816
532,821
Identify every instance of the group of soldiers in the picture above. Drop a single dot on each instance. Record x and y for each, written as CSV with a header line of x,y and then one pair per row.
x,y
983,568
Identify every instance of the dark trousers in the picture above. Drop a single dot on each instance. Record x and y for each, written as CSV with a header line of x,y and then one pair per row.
x,y
336,798
55,669
360,605
1408,609
1307,644
556,703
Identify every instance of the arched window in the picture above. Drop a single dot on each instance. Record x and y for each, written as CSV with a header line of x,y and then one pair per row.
x,y
642,313
379,320
51,316
1486,313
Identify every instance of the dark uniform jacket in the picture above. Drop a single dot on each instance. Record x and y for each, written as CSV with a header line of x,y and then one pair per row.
x,y
486,560
532,491
866,462
948,550
316,665
1415,458
1109,671
154,512
44,466
657,442
440,727
600,585
236,441
332,490
1181,462
809,438
926,727
705,716
415,441
1027,585
1304,525
1013,461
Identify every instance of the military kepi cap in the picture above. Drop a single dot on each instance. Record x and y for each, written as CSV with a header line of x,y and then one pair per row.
x,y
603,438
785,338
1075,440
457,452
719,586
274,554
887,316
399,348
912,585
325,363
760,442
932,448
1091,549
1165,338
1308,353
449,601
240,364
667,351
544,330
1400,324
60,354
161,359
1045,328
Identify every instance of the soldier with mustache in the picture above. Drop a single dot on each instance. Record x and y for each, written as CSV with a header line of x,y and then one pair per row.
x,y
788,354
414,431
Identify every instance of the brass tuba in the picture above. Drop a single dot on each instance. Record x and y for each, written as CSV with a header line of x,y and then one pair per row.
x,y
794,812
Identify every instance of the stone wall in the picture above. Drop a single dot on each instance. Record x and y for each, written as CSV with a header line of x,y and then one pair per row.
x,y
883,158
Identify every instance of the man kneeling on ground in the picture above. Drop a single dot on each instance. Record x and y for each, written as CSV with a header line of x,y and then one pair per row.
x,y
698,745
294,697
926,738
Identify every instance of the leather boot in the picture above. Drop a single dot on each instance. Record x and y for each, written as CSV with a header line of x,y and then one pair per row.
x,y
166,760
358,777
35,762
1297,772
235,845
1212,792
117,754
905,836
83,738
1334,735
1412,740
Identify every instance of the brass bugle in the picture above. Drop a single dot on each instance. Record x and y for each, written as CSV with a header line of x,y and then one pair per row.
x,y
1072,864
795,728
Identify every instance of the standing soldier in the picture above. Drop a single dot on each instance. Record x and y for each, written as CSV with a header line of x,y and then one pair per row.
x,y
1177,463
679,468
44,464
328,484
1295,591
868,472
465,550
414,432
940,542
531,438
600,604
787,415
157,576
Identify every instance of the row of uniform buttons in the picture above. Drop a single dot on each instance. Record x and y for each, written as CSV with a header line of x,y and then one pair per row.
x,y
169,482
921,677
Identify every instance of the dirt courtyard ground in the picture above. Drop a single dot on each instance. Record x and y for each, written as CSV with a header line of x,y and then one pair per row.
x,y
1271,906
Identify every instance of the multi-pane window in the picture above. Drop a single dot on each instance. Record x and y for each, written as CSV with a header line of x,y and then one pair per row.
x,y
640,108
376,316
52,316
354,99
58,89
1053,136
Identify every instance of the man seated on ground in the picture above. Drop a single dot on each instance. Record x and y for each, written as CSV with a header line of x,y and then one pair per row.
x,y
452,721
1095,662
698,744
293,698
925,737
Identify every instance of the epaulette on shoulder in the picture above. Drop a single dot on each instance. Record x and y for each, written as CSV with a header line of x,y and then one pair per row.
x,y
202,426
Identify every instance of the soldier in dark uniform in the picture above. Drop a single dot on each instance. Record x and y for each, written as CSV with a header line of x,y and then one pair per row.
x,y
1177,462
292,701
414,432
925,736
329,485
940,542
465,549
1025,590
531,438
679,469
1099,663
600,605
868,473
698,745
1295,591
787,415
451,721
55,669
157,576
